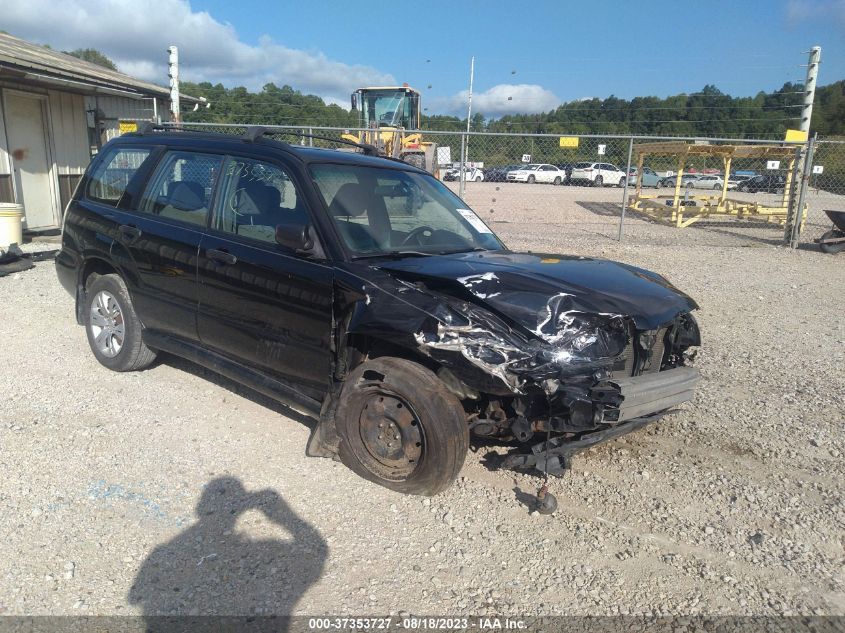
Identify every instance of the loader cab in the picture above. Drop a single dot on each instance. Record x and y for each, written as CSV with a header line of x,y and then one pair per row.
x,y
396,107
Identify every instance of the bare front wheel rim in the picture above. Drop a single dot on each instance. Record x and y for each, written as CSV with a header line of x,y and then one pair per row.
x,y
391,435
107,325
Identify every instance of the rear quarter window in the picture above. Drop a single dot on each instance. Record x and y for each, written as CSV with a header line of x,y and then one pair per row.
x,y
110,176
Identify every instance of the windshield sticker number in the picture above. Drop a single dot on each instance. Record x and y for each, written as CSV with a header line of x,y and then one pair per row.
x,y
474,220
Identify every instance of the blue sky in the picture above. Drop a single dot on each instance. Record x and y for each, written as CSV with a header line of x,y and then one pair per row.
x,y
575,49
538,52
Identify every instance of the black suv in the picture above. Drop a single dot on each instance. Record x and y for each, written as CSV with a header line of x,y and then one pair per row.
x,y
361,291
767,183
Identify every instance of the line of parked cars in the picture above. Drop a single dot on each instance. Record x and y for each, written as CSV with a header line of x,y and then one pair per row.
x,y
594,174
597,174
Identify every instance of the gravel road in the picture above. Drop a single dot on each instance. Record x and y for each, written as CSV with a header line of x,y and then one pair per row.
x,y
172,490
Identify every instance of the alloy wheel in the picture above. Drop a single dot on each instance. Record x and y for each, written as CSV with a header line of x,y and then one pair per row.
x,y
107,324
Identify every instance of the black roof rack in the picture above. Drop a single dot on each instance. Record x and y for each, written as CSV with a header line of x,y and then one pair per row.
x,y
254,132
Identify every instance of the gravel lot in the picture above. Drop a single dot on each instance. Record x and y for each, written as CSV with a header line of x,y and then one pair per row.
x,y
172,490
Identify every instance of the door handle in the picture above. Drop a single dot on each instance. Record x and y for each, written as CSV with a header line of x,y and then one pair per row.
x,y
130,233
222,257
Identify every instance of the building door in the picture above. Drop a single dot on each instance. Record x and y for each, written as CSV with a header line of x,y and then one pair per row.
x,y
27,139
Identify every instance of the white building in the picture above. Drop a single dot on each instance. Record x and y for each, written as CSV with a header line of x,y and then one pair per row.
x,y
55,112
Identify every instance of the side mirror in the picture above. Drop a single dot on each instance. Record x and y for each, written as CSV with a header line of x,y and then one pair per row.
x,y
296,237
354,101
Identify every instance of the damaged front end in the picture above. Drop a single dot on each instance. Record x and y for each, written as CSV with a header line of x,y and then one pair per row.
x,y
574,378
550,354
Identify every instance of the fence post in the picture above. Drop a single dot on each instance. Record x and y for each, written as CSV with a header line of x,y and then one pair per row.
x,y
310,138
798,213
791,194
462,172
625,192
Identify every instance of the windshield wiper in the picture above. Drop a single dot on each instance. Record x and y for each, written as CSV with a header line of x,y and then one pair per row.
x,y
395,255
475,249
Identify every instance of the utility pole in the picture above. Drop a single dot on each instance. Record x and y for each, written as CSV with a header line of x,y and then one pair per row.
x,y
810,87
173,73
795,213
465,144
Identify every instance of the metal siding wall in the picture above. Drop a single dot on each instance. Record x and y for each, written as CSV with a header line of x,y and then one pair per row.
x,y
70,132
116,108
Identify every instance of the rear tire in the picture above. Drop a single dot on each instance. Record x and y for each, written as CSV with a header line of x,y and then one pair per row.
x,y
832,248
400,427
531,179
622,182
113,327
556,181
598,182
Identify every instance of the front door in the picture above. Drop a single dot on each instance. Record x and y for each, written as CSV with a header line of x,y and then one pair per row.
x,y
30,159
259,303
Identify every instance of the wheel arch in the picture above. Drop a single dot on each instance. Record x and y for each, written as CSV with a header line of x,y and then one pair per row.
x,y
92,267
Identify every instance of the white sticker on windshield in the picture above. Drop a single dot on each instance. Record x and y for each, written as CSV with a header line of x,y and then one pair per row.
x,y
474,220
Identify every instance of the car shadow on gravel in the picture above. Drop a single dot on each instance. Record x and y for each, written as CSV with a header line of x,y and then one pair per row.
x,y
606,209
210,569
236,388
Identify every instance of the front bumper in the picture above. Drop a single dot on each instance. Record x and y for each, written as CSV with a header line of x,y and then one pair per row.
x,y
650,393
646,398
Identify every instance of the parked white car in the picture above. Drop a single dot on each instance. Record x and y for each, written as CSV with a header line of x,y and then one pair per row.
x,y
537,172
598,174
473,174
712,181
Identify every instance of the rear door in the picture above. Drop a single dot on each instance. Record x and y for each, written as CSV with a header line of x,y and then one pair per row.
x,y
259,303
158,240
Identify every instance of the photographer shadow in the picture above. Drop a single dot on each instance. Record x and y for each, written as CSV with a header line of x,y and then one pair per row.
x,y
211,570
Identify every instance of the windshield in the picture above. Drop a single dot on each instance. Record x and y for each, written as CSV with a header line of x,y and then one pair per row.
x,y
391,108
383,212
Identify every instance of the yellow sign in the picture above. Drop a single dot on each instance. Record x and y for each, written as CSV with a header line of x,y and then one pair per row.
x,y
124,127
569,141
795,136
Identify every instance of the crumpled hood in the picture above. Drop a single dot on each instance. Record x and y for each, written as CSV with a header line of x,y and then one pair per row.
x,y
523,286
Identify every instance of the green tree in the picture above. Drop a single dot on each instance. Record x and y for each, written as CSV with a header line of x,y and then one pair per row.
x,y
92,55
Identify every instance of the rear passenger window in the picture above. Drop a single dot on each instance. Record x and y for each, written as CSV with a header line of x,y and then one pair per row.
x,y
112,175
181,187
255,197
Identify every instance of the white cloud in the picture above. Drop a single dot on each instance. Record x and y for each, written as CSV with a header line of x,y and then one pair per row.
x,y
135,34
500,100
798,11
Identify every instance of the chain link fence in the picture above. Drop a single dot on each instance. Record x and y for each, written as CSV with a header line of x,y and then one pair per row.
x,y
586,186
825,190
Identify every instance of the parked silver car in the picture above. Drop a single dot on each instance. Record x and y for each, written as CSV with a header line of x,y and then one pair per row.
x,y
671,181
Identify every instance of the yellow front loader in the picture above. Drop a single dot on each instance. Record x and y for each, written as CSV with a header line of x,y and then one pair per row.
x,y
386,113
